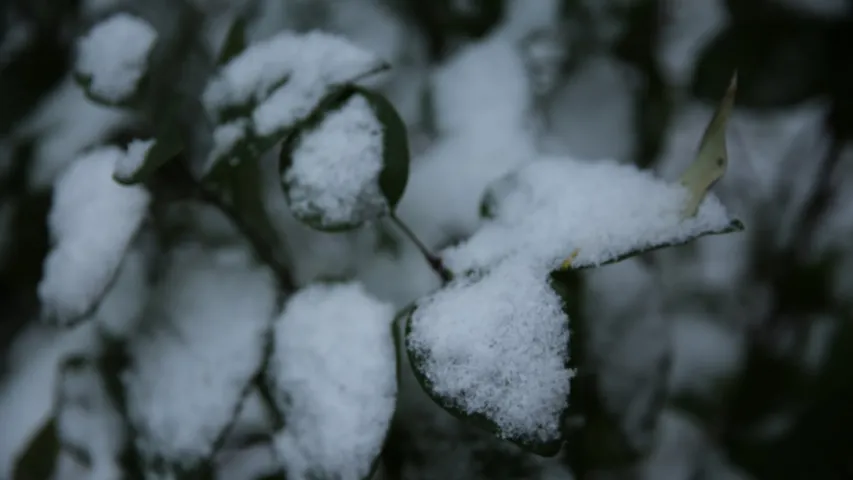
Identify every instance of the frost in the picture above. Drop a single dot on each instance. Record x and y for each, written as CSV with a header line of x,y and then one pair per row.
x,y
203,341
596,211
497,346
133,160
92,222
113,57
333,372
286,76
334,174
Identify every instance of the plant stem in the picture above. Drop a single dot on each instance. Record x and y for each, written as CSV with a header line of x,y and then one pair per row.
x,y
265,252
263,249
432,259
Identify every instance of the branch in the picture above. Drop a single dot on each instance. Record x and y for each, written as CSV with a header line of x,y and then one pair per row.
x,y
432,259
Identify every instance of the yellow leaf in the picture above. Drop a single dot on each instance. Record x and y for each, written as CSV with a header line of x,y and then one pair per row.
x,y
712,156
567,263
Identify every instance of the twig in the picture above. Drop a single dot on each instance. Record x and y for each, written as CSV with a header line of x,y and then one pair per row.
x,y
432,259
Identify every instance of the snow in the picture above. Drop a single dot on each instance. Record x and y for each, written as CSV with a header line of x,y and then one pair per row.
x,y
129,164
119,312
113,56
688,28
497,346
482,110
591,115
65,124
88,419
28,388
628,344
92,221
333,373
286,76
334,174
203,341
225,138
706,354
595,211
483,88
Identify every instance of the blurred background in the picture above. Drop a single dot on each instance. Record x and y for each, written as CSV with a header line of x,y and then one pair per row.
x,y
731,357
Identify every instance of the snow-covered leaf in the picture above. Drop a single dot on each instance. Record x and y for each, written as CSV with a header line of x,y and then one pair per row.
x,y
275,84
92,221
494,349
592,213
190,369
84,436
348,165
112,59
92,433
333,375
144,157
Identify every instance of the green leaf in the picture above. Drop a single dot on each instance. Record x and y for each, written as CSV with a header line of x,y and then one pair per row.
x,y
395,148
235,41
392,178
419,357
167,145
38,461
735,226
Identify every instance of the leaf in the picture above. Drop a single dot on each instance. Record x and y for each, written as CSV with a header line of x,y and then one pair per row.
x,y
469,348
557,212
395,147
191,369
235,41
83,263
38,461
272,101
712,156
333,375
329,202
166,146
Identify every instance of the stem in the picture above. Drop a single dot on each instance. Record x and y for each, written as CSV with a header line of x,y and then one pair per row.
x,y
265,252
432,259
262,249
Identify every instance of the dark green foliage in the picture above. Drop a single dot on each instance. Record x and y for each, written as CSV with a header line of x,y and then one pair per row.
x,y
235,41
38,460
